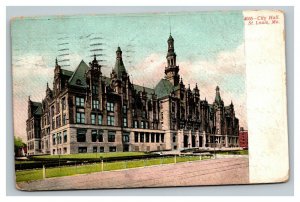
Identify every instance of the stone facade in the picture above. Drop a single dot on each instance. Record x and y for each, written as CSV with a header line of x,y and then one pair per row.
x,y
89,112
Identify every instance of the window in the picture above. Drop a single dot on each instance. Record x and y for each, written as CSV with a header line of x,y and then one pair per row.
x,y
142,137
112,149
94,89
101,149
65,136
142,124
81,135
174,137
152,137
95,104
63,103
124,109
54,139
135,124
162,137
94,135
80,117
136,137
110,106
124,122
94,149
93,119
157,137
111,136
59,138
53,151
100,135
146,124
147,137
82,149
144,114
65,150
64,121
57,121
79,102
110,120
125,137
100,119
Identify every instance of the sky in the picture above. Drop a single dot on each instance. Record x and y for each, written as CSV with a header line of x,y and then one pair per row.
x,y
209,48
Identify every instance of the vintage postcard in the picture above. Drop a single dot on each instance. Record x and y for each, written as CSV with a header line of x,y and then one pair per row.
x,y
149,100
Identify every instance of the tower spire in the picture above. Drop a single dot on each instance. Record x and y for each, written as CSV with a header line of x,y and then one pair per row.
x,y
170,25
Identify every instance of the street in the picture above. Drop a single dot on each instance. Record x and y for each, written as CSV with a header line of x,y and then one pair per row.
x,y
206,172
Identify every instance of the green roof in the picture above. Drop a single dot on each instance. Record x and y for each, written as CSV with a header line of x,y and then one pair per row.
x,y
66,72
106,80
78,77
36,108
141,88
164,88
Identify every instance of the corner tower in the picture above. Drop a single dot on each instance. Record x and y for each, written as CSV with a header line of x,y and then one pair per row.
x,y
171,70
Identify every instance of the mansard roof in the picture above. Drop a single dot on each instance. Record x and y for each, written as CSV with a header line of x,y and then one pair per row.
x,y
78,77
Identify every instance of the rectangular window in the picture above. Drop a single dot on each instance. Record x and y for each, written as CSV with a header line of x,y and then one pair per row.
x,y
94,149
124,109
144,114
125,137
174,137
63,103
152,137
100,135
111,136
124,122
110,106
79,102
57,122
142,137
80,117
100,119
82,149
94,135
146,125
101,149
162,137
81,135
147,137
136,137
54,139
94,89
112,149
110,120
95,104
142,124
93,119
64,121
157,137
65,136
59,138
135,124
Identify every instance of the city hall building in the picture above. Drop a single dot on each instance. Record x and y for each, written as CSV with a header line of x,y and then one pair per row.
x,y
89,112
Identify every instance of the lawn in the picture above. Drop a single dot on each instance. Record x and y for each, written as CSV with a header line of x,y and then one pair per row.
x,y
36,174
90,155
